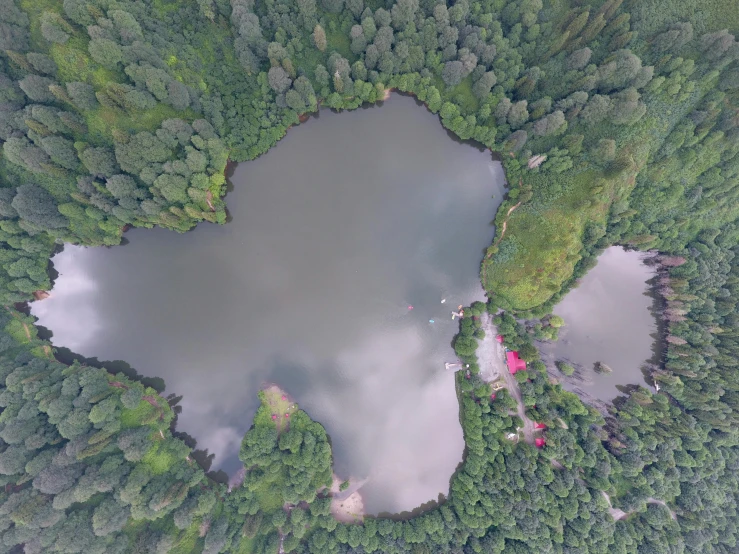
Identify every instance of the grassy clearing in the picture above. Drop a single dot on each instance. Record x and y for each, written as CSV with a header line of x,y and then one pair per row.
x,y
133,418
34,9
338,40
103,120
548,237
158,459
21,328
75,64
281,407
188,541
462,95
165,7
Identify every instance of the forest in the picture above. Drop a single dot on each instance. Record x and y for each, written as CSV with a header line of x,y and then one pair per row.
x,y
617,122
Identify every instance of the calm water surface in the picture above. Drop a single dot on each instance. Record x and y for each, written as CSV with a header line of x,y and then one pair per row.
x,y
350,220
608,318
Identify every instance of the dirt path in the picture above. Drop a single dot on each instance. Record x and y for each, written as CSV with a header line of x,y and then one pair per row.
x,y
208,199
17,316
490,353
504,226
515,392
617,513
492,359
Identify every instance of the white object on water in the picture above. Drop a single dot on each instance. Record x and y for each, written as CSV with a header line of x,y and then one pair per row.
x,y
431,320
443,300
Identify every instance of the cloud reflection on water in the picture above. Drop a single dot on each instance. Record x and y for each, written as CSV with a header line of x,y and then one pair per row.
x,y
308,287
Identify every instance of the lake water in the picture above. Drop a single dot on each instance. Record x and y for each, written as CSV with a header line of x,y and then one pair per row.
x,y
347,222
609,318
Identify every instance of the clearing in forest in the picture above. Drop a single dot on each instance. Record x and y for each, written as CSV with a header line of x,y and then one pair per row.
x,y
281,406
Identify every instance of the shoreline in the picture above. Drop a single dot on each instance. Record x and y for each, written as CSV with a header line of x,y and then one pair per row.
x,y
349,509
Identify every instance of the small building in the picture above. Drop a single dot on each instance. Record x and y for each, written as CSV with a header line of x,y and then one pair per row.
x,y
540,426
499,338
540,442
514,362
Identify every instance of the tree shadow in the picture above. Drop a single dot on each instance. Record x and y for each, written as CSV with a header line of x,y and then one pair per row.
x,y
417,511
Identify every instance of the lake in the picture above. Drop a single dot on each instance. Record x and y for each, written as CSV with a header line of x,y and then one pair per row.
x,y
610,318
335,233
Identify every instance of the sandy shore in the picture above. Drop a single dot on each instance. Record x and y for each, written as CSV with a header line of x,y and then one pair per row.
x,y
349,509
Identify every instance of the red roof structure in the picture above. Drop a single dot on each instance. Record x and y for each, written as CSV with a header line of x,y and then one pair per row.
x,y
514,362
540,426
539,442
499,338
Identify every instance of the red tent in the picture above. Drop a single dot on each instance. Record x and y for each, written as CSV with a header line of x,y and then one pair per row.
x,y
514,362
539,442
499,338
540,426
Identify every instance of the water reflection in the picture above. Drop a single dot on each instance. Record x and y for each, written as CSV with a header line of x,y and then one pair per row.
x,y
335,232
610,318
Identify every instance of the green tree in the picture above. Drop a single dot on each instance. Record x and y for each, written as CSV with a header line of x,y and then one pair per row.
x,y
319,38
106,52
484,85
279,80
54,28
453,73
37,88
37,206
99,161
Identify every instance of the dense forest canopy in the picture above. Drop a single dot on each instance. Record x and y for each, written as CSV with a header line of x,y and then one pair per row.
x,y
618,123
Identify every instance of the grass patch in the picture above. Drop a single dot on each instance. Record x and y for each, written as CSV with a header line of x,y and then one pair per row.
x,y
338,40
158,459
165,7
280,407
135,417
34,9
75,64
543,239
246,545
103,120
265,493
462,96
188,540
23,334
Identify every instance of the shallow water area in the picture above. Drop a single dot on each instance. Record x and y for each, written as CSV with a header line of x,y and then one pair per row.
x,y
610,318
336,232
